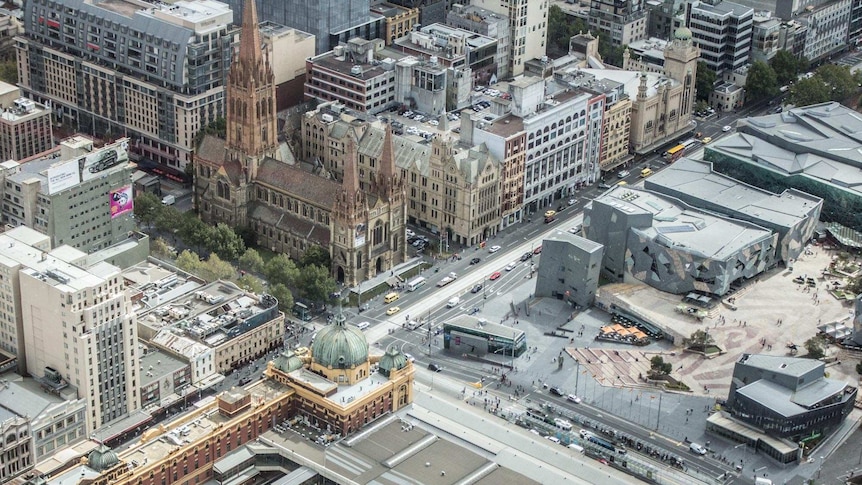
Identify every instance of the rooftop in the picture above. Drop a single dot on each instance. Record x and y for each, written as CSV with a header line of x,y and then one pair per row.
x,y
580,242
156,365
678,225
697,179
467,321
790,366
822,141
345,63
631,80
725,8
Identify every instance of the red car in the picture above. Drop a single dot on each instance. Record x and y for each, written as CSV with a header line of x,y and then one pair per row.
x,y
537,250
495,275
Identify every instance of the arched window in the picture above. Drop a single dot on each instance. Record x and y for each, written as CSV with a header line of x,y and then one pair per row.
x,y
378,233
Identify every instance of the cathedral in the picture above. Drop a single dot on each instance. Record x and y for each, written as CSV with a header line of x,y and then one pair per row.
x,y
250,180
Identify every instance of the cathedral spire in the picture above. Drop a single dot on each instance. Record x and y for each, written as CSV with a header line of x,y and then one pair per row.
x,y
351,177
249,41
387,158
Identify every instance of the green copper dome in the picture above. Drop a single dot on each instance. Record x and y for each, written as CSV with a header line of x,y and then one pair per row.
x,y
287,361
102,458
340,345
393,359
682,33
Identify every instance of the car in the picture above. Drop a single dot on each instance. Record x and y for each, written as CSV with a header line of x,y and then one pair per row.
x,y
526,256
435,367
408,114
409,233
300,351
538,250
573,201
623,174
393,310
475,261
706,140
696,448
550,213
418,118
604,186
553,439
495,275
433,122
410,358
573,398
555,390
418,243
476,289
575,229
511,266
494,249
603,461
622,182
726,128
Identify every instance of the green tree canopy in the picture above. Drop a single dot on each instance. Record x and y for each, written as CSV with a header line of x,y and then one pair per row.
x,y
705,81
281,269
217,128
315,283
9,71
160,247
816,347
659,367
761,82
189,261
315,255
700,338
284,296
147,208
839,80
250,283
224,241
786,66
809,91
215,268
561,27
251,261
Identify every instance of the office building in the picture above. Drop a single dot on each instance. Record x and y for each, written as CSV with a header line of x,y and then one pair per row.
x,y
669,245
454,48
813,149
246,181
430,11
765,37
399,21
528,27
291,47
55,422
792,214
827,25
80,196
569,269
783,402
622,22
154,72
330,21
487,23
722,32
854,31
25,127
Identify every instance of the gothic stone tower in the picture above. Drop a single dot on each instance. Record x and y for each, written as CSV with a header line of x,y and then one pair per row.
x,y
388,185
349,223
680,63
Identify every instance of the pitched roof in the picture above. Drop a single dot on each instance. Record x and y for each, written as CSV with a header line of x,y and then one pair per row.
x,y
233,171
290,179
286,221
211,149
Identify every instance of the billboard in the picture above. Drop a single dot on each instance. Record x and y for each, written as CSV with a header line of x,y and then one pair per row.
x,y
121,201
62,176
359,236
95,164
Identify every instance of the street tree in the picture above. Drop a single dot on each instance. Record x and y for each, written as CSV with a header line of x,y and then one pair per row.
x,y
224,241
250,283
840,81
189,261
251,261
281,269
147,208
809,91
160,247
786,67
284,296
704,82
700,338
214,268
315,255
816,347
761,82
315,283
658,367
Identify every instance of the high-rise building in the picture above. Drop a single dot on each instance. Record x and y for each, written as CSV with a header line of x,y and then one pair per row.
x,y
528,27
80,335
623,22
154,72
82,197
329,21
25,127
488,23
723,33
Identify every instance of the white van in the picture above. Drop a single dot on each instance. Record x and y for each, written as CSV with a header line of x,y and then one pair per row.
x,y
563,424
578,448
363,325
453,302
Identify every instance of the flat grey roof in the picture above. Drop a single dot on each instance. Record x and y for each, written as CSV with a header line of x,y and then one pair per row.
x,y
25,397
779,364
696,178
724,8
579,242
684,227
156,365
822,141
471,322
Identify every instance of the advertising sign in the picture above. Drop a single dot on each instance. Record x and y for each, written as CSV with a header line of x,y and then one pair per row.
x,y
62,176
121,201
95,164
359,236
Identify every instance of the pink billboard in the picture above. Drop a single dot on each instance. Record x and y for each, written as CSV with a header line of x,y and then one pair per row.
x,y
121,201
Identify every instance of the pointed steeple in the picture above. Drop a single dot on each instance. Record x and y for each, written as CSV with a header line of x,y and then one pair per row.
x,y
351,175
249,41
387,158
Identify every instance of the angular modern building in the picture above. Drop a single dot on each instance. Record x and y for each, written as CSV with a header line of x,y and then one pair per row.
x,y
81,196
569,269
792,214
153,72
663,242
814,149
787,399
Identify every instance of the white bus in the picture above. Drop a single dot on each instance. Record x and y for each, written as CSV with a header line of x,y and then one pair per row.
x,y
415,283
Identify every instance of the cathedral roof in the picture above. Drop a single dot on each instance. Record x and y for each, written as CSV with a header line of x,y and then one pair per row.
x,y
233,171
290,179
287,222
211,149
406,152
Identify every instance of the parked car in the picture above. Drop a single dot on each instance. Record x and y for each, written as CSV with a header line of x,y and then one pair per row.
x,y
556,391
623,174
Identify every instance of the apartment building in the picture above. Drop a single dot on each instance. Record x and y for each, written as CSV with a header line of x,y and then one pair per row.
x,y
528,27
347,74
622,22
827,25
25,126
722,32
154,72
454,48
765,37
399,21
81,196
488,23
80,336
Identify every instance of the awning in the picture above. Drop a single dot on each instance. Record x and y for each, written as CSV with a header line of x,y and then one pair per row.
x,y
844,235
117,428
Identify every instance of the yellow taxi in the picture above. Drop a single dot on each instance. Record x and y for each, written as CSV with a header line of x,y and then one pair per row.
x,y
393,310
550,213
706,140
